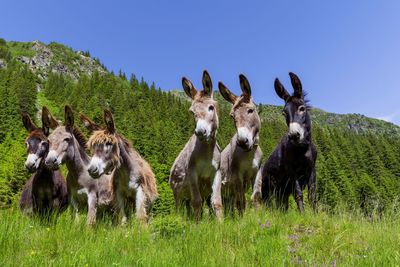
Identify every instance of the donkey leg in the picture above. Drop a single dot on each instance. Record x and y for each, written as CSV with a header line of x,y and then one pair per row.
x,y
256,197
188,206
282,199
239,195
92,208
241,203
285,202
228,204
141,213
211,210
216,199
312,188
74,209
299,196
122,208
196,200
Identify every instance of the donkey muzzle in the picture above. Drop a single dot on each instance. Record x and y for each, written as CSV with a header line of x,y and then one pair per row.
x,y
52,161
94,172
244,138
32,163
296,132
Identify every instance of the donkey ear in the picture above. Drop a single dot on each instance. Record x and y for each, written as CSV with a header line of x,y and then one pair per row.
x,y
280,90
226,93
189,88
207,84
48,121
245,85
28,123
108,119
68,117
298,89
89,124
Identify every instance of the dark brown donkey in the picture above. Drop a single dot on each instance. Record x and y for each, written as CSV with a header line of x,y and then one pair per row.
x,y
291,167
46,191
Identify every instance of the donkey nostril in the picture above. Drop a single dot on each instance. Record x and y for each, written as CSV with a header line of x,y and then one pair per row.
x,y
294,136
92,169
28,165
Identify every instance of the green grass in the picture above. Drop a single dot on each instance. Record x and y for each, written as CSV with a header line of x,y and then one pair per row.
x,y
21,49
260,238
42,101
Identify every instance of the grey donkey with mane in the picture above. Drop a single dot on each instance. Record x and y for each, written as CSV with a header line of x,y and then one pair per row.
x,y
134,182
195,172
240,160
68,146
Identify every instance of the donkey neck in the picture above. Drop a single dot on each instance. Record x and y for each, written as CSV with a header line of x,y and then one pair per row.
x,y
126,160
43,174
79,160
294,149
204,146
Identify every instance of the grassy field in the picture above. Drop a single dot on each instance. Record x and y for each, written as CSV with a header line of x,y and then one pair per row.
x,y
260,238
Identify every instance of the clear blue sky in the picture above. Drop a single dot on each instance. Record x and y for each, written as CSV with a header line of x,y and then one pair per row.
x,y
347,53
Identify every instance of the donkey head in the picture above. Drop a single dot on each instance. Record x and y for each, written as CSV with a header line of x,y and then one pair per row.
x,y
62,141
204,108
37,143
104,146
295,111
244,114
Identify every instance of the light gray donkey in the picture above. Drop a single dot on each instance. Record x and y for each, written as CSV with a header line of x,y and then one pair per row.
x,y
195,172
240,160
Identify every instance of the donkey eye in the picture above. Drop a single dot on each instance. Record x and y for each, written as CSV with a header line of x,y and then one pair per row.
x,y
211,108
250,111
67,139
302,108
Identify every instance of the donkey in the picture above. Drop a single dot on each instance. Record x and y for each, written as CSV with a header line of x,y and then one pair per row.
x,y
133,180
291,166
46,191
240,160
195,173
67,146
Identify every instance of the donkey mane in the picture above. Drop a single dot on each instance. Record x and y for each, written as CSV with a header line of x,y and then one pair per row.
x,y
101,137
201,96
79,137
240,100
305,99
146,173
37,133
126,142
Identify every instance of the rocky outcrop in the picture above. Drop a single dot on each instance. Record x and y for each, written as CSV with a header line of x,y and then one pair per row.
x,y
47,60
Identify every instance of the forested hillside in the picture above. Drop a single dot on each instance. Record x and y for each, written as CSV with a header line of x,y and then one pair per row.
x,y
358,162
